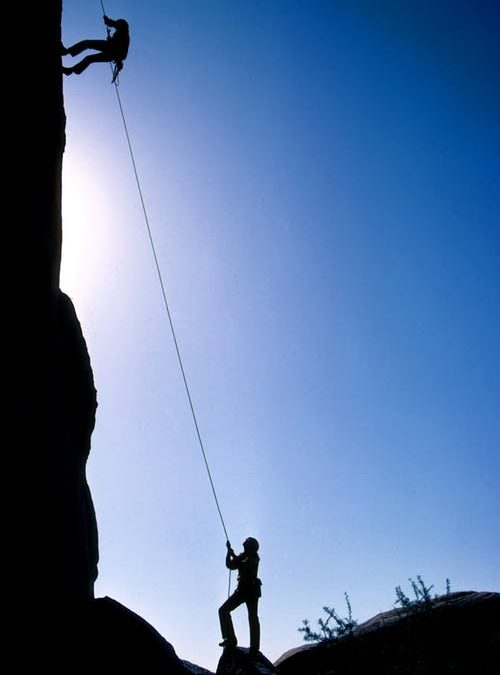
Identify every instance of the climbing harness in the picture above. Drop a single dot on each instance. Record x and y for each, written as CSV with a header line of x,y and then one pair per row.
x,y
118,65
165,302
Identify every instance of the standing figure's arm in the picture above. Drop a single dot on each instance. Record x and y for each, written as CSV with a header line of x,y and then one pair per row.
x,y
231,558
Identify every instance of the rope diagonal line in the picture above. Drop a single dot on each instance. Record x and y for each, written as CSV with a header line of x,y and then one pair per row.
x,y
169,315
166,304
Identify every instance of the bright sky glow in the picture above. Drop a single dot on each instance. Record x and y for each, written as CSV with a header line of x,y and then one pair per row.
x,y
322,183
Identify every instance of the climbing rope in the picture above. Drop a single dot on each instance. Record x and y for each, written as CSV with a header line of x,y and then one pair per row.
x,y
115,70
102,7
167,309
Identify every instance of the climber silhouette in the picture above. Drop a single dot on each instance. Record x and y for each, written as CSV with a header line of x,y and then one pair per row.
x,y
247,591
114,48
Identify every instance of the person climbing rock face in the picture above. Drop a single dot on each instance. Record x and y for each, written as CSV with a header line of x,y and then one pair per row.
x,y
114,48
248,591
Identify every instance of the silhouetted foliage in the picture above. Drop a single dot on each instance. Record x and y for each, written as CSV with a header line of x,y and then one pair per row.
x,y
423,600
333,628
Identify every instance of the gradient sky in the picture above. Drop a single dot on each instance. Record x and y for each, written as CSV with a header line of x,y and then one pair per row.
x,y
322,182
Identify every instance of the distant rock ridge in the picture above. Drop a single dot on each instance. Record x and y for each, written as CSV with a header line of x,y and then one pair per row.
x,y
460,635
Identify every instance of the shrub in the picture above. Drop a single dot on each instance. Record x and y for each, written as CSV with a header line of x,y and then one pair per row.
x,y
423,600
332,628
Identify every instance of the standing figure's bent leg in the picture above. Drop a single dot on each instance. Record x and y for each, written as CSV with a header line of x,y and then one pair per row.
x,y
254,624
226,623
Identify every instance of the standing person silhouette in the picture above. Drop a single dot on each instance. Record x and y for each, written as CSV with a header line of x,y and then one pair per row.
x,y
114,48
247,591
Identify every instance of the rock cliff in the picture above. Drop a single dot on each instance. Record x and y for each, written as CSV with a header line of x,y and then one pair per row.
x,y
55,537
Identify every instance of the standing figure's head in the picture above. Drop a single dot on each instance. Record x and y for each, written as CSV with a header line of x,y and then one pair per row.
x,y
250,545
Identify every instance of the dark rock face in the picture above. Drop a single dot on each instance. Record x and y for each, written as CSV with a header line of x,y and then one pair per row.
x,y
78,405
117,640
238,661
40,139
460,635
54,538
103,636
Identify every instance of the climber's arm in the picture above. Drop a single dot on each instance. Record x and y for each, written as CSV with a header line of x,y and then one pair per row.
x,y
111,23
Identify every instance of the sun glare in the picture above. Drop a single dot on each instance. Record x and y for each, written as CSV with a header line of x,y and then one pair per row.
x,y
86,219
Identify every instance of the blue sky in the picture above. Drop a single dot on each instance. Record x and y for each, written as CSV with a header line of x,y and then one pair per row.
x,y
322,184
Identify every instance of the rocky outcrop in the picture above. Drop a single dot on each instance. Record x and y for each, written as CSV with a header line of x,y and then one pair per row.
x,y
460,635
103,636
193,669
116,640
240,661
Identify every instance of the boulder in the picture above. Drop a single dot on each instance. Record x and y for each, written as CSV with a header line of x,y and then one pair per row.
x,y
196,670
103,636
239,661
459,635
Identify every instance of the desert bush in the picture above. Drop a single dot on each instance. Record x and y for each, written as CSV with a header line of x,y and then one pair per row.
x,y
332,628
